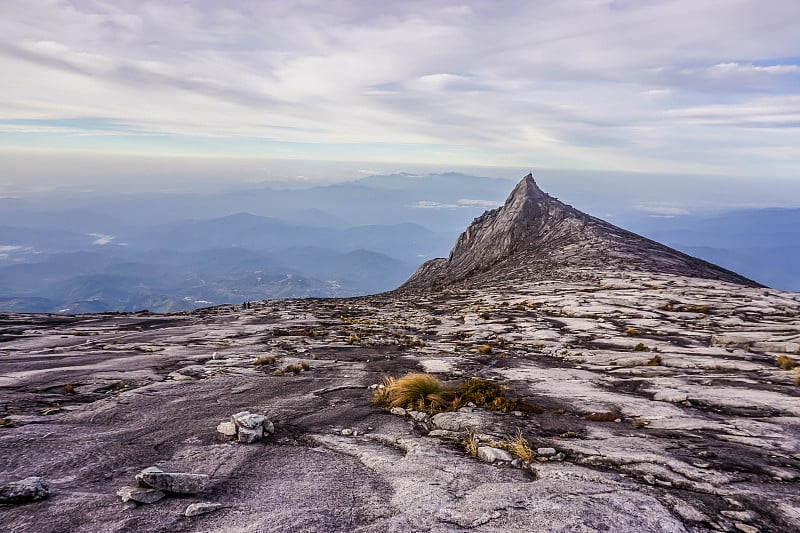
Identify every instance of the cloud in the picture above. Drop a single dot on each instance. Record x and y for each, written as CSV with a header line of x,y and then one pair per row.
x,y
463,203
662,211
102,239
620,85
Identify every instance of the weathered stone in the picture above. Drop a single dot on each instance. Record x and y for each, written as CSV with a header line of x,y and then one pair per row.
x,y
491,454
347,432
227,428
418,415
545,452
455,421
670,396
180,482
199,508
746,528
149,469
246,419
140,494
30,489
399,411
248,436
269,427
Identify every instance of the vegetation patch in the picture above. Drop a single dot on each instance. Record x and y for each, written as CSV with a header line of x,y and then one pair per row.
x,y
609,416
265,360
654,361
425,392
69,388
785,362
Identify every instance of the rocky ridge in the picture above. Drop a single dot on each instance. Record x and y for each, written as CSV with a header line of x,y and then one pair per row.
x,y
533,235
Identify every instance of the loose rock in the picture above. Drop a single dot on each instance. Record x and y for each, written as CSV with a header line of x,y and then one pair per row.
x,y
140,494
490,454
199,508
30,489
246,419
227,428
179,482
248,436
545,452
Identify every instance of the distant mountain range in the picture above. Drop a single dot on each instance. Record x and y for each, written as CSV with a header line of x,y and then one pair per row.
x,y
89,252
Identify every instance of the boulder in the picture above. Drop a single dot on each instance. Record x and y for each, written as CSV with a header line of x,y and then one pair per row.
x,y
199,508
179,482
490,454
140,494
248,420
227,428
30,489
457,421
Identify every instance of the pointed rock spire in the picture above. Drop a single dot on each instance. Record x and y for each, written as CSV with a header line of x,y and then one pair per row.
x,y
534,233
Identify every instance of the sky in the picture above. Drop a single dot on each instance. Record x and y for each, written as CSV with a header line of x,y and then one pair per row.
x,y
120,89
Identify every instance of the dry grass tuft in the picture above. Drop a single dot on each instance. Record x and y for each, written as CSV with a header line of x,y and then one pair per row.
x,y
470,443
631,332
640,347
785,362
705,309
797,376
602,417
424,392
485,349
419,391
518,445
655,361
69,388
265,360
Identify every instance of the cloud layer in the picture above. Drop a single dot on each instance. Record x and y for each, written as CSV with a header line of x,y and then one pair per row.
x,y
662,85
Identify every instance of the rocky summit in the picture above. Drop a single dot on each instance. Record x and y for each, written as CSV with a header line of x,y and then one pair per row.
x,y
566,375
535,236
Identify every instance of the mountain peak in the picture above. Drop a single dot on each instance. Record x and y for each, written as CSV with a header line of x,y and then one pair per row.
x,y
534,234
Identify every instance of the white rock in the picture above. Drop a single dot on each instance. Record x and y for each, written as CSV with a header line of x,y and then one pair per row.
x,y
227,428
670,395
199,508
399,411
490,454
245,419
545,452
347,432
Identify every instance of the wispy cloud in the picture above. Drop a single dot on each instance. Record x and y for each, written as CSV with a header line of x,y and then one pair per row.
x,y
628,85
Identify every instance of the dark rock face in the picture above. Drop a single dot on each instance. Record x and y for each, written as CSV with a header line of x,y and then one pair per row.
x,y
534,233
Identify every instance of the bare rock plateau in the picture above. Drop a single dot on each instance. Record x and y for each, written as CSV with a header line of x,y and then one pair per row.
x,y
661,391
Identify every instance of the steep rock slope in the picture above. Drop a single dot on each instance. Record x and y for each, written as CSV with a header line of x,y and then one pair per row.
x,y
534,234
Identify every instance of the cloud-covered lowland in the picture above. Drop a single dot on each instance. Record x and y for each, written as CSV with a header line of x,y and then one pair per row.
x,y
617,85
